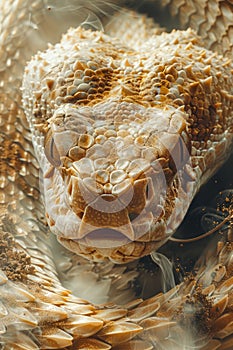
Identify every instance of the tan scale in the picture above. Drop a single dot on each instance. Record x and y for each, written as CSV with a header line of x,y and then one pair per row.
x,y
36,310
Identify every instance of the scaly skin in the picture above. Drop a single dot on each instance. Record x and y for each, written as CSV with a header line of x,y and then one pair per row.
x,y
36,311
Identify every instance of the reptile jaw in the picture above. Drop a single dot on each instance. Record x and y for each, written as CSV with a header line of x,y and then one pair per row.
x,y
102,213
96,220
103,222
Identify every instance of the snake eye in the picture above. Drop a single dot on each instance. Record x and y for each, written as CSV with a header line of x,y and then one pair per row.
x,y
51,150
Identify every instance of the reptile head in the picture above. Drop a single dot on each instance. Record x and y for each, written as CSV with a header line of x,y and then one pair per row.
x,y
108,191
111,133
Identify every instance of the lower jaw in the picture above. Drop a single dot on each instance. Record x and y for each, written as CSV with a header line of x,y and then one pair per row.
x,y
122,254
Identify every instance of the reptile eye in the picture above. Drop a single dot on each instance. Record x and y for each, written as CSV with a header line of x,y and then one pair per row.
x,y
51,151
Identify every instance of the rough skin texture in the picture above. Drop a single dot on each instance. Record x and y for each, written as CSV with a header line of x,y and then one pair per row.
x,y
36,311
134,130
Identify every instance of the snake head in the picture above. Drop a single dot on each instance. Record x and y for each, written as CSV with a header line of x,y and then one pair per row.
x,y
129,135
113,168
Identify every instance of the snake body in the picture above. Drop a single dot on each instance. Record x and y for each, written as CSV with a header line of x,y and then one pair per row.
x,y
167,100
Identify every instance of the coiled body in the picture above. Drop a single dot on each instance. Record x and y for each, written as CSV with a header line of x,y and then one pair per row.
x,y
37,312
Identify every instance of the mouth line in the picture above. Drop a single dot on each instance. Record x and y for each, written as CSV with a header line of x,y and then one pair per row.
x,y
118,253
104,238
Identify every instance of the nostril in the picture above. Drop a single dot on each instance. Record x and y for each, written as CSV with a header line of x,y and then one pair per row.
x,y
133,216
80,214
70,188
147,192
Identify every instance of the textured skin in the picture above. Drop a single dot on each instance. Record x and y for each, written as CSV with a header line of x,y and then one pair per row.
x,y
133,130
36,312
211,19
